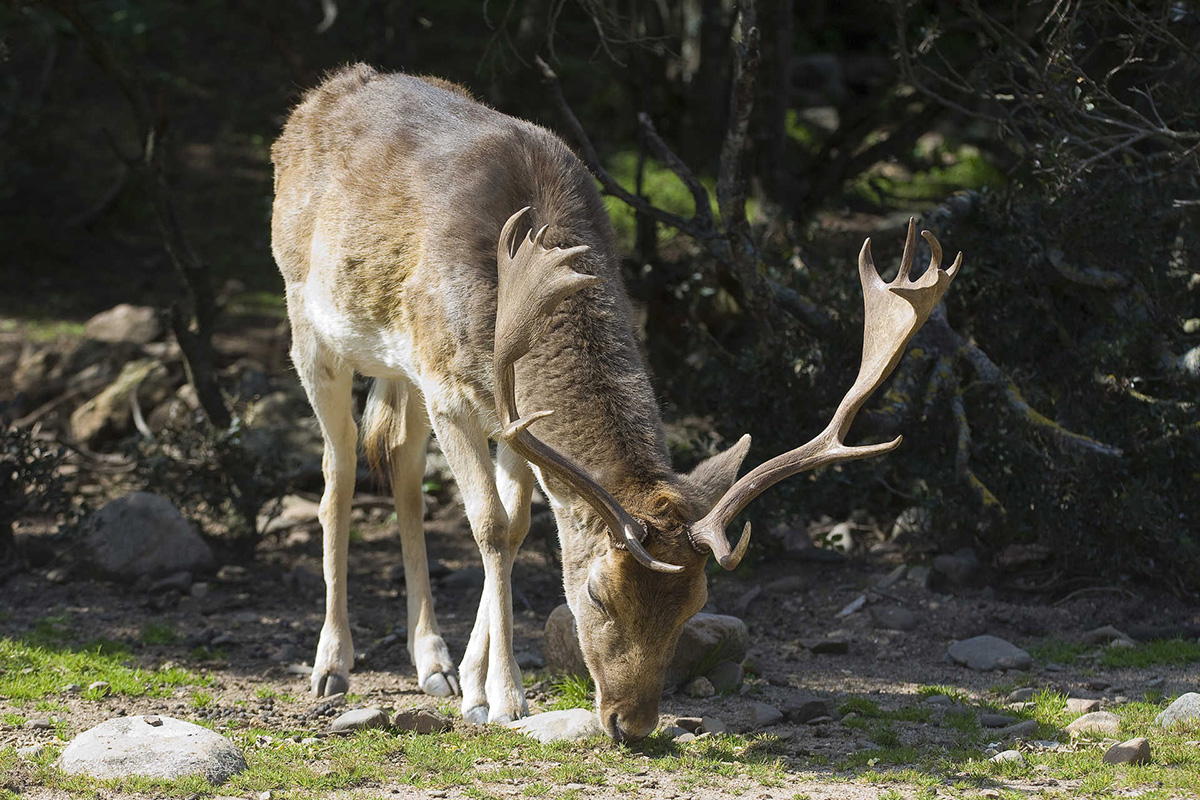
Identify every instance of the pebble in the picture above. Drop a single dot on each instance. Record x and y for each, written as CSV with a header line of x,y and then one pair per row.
x,y
886,582
685,737
711,725
1022,695
726,677
1008,757
1021,729
1133,751
789,584
32,751
800,712
854,606
996,720
1081,705
1102,722
834,644
101,688
359,719
39,724
763,715
984,653
674,731
690,724
422,720
894,618
699,687
128,746
939,700
72,688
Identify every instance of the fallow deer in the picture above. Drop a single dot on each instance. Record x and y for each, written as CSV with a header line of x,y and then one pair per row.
x,y
463,260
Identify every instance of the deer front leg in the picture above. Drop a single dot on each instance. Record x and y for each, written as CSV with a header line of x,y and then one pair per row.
x,y
489,673
328,385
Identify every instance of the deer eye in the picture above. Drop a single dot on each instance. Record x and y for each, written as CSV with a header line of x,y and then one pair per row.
x,y
595,600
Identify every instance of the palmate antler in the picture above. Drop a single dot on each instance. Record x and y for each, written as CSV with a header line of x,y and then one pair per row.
x,y
531,282
894,312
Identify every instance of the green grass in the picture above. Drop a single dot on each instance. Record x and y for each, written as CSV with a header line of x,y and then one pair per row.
x,y
1159,652
34,672
572,691
158,633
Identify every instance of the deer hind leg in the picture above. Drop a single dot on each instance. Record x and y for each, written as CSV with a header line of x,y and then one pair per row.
x,y
489,672
327,381
514,484
396,415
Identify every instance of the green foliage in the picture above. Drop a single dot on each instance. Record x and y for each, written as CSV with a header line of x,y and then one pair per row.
x,y
1158,652
216,477
573,691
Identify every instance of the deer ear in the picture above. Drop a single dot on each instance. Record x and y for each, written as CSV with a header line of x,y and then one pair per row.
x,y
713,477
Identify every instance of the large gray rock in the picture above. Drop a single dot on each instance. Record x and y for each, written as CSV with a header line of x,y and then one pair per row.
x,y
985,653
1185,709
144,534
706,637
572,724
125,323
151,747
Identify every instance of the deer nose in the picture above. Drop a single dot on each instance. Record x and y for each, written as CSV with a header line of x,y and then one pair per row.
x,y
623,729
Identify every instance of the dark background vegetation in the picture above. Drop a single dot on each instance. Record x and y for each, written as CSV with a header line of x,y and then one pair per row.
x,y
1050,413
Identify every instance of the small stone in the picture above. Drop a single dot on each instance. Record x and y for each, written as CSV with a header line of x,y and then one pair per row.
x,y
153,720
984,653
100,688
422,720
1102,722
574,724
1020,730
788,584
1133,751
674,731
1185,709
699,687
72,688
1082,705
1022,695
1121,644
683,738
885,582
894,618
959,568
711,725
199,590
854,606
996,720
726,677
359,719
834,644
39,724
180,581
32,751
1104,635
689,723
763,715
806,710
920,575
125,323
1008,757
939,700
821,720
1098,684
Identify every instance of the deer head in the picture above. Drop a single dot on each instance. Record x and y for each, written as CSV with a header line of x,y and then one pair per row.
x,y
638,575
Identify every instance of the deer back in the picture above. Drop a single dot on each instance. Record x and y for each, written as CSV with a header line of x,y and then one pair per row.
x,y
391,191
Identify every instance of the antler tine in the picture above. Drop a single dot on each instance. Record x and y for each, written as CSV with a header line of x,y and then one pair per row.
x,y
531,282
910,245
893,312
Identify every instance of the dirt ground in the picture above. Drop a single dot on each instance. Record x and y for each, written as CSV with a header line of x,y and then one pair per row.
x,y
258,621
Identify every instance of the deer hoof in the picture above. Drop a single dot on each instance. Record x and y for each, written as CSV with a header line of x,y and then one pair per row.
x,y
330,684
477,715
440,685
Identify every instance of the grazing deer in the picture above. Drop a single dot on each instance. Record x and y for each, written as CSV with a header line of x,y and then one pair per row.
x,y
463,259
